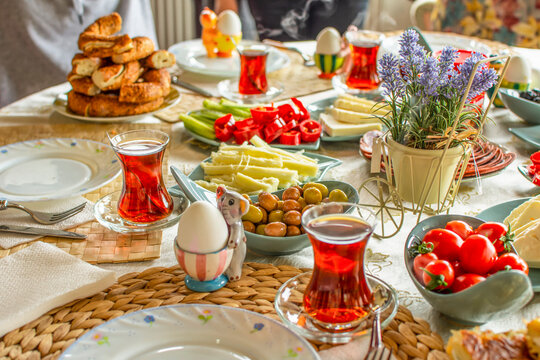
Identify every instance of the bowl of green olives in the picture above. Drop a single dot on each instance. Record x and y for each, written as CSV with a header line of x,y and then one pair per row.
x,y
273,222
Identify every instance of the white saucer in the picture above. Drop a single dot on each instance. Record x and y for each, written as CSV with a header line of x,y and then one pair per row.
x,y
229,90
338,82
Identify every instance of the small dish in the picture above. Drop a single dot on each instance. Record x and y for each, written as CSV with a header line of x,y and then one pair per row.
x,y
191,331
338,82
525,172
106,213
60,106
303,146
525,109
288,304
229,90
502,293
530,134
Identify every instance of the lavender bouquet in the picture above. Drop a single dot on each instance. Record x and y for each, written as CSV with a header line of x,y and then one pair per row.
x,y
424,94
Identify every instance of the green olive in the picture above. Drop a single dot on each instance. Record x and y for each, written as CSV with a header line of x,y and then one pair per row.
x,y
260,229
338,195
322,188
312,195
275,216
254,214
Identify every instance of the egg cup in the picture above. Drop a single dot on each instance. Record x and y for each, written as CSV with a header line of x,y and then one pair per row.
x,y
205,272
328,64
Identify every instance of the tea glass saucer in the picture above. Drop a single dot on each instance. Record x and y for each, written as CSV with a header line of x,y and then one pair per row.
x,y
229,90
339,83
106,213
288,304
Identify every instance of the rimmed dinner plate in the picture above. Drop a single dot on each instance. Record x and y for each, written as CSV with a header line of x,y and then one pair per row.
x,y
56,168
530,134
191,56
191,331
500,212
60,106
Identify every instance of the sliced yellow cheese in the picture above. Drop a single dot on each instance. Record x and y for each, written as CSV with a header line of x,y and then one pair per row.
x,y
336,128
247,183
352,117
528,245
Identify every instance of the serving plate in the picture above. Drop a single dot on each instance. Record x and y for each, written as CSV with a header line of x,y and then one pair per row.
x,y
191,56
56,168
523,171
191,331
60,106
530,134
525,109
500,212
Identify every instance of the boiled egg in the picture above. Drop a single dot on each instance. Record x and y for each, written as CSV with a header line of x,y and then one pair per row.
x,y
518,71
202,229
228,23
328,41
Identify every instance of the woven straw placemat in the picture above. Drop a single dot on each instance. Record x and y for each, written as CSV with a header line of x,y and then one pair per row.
x,y
101,245
49,335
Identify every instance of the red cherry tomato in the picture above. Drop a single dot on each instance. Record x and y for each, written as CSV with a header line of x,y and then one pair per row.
x,y
465,281
460,227
421,262
509,261
446,243
477,254
497,234
438,275
458,268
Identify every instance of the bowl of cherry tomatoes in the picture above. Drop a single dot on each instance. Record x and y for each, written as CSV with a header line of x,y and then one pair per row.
x,y
466,268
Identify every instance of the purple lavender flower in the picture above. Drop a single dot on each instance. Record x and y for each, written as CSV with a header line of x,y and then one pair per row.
x,y
390,75
446,64
412,55
483,79
482,82
429,79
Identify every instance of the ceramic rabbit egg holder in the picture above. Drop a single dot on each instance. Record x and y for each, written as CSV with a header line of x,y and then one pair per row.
x,y
220,34
210,245
422,186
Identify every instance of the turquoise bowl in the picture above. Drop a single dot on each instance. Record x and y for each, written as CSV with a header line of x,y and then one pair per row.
x,y
525,109
502,293
271,245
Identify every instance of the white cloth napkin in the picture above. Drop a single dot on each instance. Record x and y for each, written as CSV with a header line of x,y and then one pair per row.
x,y
20,218
356,349
41,277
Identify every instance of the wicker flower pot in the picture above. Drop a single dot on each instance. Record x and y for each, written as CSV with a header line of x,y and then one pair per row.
x,y
415,172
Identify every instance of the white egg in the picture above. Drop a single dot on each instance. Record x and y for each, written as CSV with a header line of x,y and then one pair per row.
x,y
202,229
228,23
519,70
328,41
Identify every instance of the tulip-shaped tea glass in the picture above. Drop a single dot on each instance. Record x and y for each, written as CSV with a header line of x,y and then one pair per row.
x,y
338,296
364,45
144,197
253,69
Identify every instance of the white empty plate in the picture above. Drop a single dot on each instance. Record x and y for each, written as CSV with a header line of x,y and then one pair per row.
x,y
56,168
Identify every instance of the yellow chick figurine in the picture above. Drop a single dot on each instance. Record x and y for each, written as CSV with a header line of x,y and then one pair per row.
x,y
208,20
229,34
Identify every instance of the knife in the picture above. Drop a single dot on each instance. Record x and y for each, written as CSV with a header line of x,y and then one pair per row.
x,y
40,231
175,80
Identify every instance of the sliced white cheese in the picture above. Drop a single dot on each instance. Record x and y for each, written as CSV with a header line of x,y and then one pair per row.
x,y
335,128
352,117
528,245
517,232
528,214
517,211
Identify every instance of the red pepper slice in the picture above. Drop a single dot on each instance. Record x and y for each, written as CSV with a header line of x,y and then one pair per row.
x,y
288,112
290,138
291,125
531,169
224,127
535,158
310,130
264,114
245,124
536,179
241,136
304,114
273,130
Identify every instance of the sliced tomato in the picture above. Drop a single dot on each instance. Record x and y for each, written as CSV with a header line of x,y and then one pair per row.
x,y
510,261
420,262
465,281
460,227
477,254
438,275
496,233
446,243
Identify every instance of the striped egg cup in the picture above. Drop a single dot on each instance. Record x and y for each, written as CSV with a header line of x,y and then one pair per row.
x,y
328,64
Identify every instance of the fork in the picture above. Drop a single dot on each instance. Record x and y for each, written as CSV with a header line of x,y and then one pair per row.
x,y
377,350
308,60
42,217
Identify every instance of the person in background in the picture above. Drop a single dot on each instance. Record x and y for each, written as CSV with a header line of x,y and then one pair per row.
x,y
514,22
39,38
297,19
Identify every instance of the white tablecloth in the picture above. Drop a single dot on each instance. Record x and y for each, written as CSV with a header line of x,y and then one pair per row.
x,y
385,256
